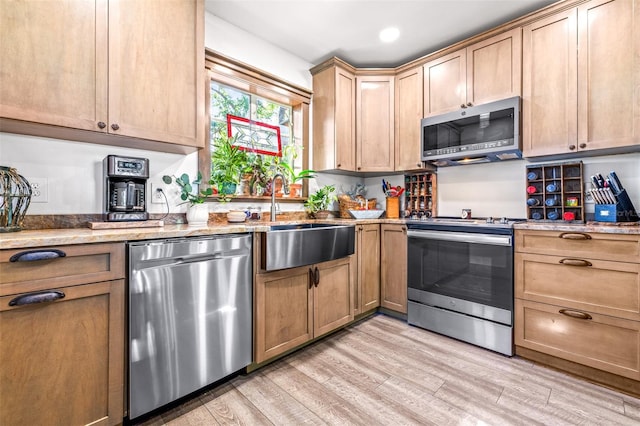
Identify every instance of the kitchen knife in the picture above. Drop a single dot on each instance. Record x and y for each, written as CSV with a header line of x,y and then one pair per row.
x,y
600,180
594,181
616,181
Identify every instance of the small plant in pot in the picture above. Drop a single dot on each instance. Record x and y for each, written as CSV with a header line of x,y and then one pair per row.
x,y
228,164
198,213
294,179
318,203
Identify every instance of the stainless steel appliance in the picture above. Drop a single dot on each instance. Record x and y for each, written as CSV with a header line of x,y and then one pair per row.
x,y
190,321
460,280
476,134
125,188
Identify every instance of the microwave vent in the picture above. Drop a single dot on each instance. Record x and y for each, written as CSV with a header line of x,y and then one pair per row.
x,y
508,156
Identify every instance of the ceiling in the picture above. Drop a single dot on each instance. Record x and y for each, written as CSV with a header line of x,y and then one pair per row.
x,y
316,30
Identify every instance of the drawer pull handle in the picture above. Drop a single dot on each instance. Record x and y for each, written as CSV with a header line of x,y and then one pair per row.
x,y
33,298
574,236
575,314
575,262
32,255
312,278
316,277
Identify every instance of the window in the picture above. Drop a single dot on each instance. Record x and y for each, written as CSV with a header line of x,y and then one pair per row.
x,y
258,106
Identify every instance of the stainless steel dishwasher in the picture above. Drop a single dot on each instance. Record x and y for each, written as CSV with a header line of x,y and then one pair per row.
x,y
190,316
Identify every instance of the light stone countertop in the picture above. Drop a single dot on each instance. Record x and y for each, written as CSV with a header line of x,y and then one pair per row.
x,y
57,237
597,227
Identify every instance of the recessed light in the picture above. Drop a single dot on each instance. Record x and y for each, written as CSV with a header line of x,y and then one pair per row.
x,y
389,34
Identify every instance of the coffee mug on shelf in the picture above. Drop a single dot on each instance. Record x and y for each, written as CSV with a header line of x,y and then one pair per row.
x,y
553,215
533,202
536,215
551,202
552,187
532,176
569,216
531,189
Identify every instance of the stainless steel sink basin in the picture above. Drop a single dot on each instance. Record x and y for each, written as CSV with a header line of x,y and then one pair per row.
x,y
291,245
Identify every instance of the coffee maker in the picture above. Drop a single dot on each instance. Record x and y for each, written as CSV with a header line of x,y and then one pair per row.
x,y
125,188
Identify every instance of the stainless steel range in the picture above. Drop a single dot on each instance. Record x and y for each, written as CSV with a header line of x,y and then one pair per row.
x,y
460,279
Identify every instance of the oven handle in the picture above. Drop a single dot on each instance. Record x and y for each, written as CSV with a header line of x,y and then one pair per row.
x,y
462,237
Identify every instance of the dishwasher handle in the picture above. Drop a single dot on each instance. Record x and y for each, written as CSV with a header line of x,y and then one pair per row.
x,y
461,237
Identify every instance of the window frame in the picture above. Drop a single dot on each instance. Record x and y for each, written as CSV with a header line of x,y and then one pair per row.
x,y
230,72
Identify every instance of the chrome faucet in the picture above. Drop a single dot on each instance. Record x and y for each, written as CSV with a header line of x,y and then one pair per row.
x,y
273,194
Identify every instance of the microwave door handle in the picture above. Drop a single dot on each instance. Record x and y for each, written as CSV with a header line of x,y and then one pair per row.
x,y
461,237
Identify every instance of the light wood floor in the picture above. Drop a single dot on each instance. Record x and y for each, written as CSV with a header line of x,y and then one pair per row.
x,y
383,372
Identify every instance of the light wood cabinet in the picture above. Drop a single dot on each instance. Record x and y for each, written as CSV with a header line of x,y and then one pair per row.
x,y
409,102
485,71
375,149
63,359
393,267
367,291
334,117
294,306
131,69
578,298
581,74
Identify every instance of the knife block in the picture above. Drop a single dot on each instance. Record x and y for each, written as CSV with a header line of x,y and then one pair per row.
x,y
622,211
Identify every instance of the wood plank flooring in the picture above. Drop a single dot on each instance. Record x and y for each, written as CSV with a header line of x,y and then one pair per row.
x,y
382,371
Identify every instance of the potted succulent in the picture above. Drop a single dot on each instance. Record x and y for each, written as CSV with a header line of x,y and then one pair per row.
x,y
228,164
198,213
318,203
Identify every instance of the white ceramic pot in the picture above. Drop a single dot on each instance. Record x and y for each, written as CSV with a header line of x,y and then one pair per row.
x,y
236,216
198,215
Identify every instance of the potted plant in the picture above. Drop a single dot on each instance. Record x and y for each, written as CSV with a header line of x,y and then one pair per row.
x,y
228,163
198,212
294,178
318,203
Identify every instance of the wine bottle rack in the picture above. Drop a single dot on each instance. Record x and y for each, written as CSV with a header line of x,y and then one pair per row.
x,y
555,192
420,195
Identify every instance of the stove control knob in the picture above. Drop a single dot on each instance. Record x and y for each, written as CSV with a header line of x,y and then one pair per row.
x,y
489,220
504,220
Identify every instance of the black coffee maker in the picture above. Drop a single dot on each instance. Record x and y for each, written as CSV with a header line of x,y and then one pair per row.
x,y
125,188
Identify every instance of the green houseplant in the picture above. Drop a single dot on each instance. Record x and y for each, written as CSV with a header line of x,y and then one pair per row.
x,y
318,203
228,164
198,213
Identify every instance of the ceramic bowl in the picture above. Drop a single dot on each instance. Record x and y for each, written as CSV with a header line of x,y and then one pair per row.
x,y
366,214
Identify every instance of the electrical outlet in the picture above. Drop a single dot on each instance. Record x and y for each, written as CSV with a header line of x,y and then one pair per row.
x,y
588,199
39,190
157,196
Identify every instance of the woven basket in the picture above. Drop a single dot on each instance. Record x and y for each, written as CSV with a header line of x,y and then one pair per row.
x,y
346,204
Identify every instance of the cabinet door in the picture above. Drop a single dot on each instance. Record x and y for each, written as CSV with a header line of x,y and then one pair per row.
x,y
156,70
368,282
494,68
333,295
374,123
62,361
549,85
53,62
283,312
608,74
393,286
334,119
445,83
408,113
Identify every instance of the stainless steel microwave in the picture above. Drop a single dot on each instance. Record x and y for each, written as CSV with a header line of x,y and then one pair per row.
x,y
477,134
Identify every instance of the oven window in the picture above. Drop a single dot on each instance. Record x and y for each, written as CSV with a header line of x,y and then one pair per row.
x,y
478,273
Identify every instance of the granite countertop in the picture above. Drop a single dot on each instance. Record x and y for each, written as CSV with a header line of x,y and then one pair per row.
x,y
600,227
56,237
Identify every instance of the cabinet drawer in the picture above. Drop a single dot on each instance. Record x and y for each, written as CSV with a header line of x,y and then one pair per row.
x,y
81,264
616,247
610,288
603,342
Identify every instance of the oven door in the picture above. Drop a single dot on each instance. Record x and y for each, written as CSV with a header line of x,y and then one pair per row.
x,y
465,272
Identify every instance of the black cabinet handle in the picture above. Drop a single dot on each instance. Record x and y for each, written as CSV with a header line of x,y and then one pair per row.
x,y
102,124
312,278
32,255
316,279
33,298
574,236
114,126
575,262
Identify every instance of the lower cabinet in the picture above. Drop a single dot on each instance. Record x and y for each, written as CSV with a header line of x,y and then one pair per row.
x,y
367,291
62,335
393,267
293,306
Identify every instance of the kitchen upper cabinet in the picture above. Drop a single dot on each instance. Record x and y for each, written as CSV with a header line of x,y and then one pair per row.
x,y
485,71
374,123
334,118
581,79
367,291
393,275
116,69
293,306
409,102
